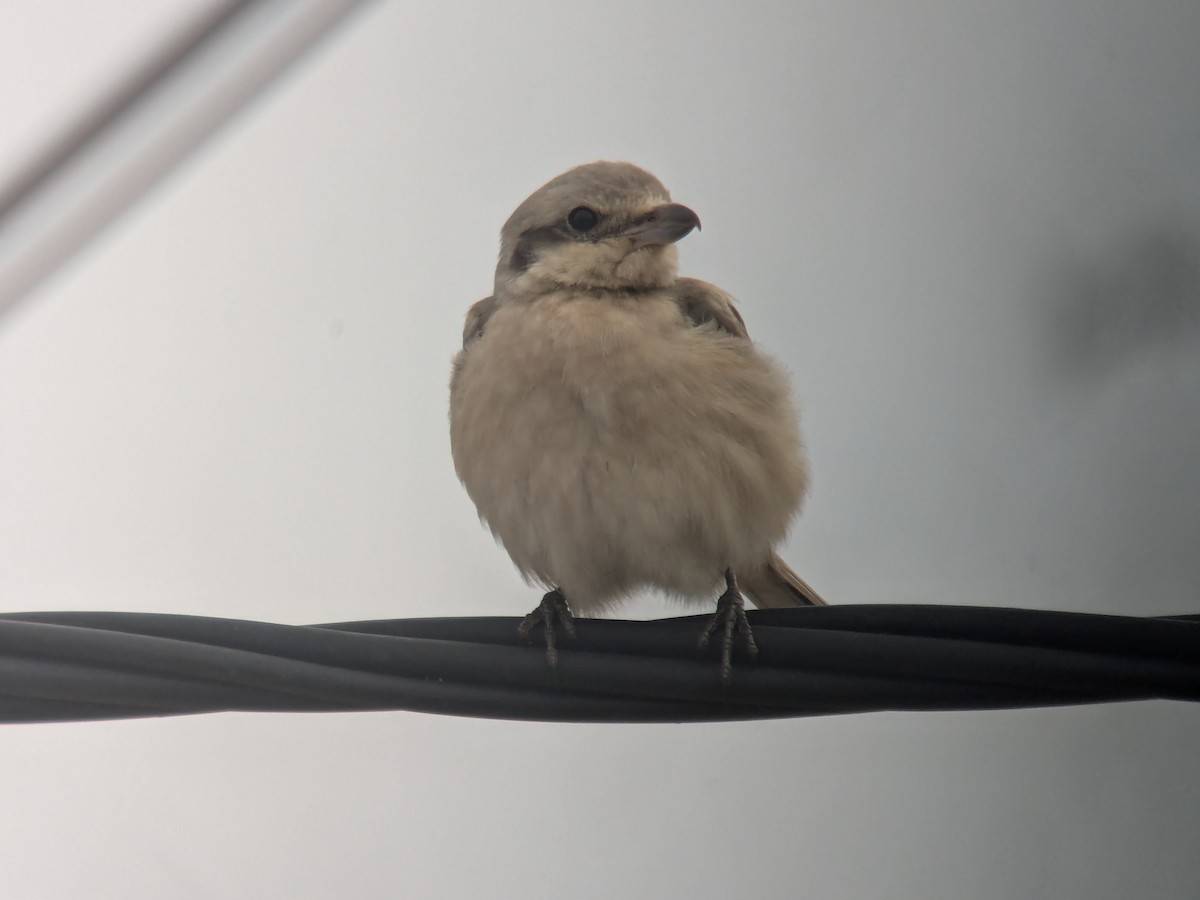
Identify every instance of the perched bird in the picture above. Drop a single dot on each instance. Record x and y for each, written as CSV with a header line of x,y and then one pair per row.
x,y
612,421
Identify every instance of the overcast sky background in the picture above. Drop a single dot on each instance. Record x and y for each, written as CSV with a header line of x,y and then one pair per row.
x,y
972,233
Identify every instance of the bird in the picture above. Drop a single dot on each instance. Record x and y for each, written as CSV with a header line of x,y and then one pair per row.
x,y
614,424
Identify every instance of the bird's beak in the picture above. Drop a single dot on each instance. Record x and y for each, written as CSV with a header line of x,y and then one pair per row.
x,y
662,225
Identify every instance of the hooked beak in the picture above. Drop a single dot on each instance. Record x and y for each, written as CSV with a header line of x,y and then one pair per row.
x,y
662,225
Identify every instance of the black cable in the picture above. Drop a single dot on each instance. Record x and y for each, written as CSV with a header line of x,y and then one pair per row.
x,y
73,666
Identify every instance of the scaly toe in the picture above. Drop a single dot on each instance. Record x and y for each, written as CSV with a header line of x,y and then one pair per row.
x,y
550,613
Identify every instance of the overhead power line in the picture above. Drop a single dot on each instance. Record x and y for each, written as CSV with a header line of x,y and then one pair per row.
x,y
72,666
178,95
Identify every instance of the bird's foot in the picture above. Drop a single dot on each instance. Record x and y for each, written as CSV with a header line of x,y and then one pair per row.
x,y
729,619
551,612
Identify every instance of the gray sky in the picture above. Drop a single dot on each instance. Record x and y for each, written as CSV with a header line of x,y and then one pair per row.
x,y
972,233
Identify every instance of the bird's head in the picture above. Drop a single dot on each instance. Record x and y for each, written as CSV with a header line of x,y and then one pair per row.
x,y
604,225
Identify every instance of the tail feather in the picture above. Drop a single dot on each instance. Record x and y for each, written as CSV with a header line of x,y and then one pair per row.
x,y
775,584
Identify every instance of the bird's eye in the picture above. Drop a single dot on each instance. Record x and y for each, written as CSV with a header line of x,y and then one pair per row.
x,y
582,219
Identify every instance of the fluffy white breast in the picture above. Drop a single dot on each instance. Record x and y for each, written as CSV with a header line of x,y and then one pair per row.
x,y
610,444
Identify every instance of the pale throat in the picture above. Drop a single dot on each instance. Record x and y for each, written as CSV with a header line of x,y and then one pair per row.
x,y
610,266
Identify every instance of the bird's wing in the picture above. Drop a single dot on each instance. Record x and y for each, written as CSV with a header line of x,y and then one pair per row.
x,y
773,583
703,303
477,317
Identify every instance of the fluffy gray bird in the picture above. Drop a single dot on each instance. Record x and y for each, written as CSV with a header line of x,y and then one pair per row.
x,y
614,424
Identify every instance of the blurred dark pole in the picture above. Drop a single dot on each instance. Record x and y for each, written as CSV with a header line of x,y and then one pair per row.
x,y
182,93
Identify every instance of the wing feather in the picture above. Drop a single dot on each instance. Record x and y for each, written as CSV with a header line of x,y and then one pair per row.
x,y
703,303
477,318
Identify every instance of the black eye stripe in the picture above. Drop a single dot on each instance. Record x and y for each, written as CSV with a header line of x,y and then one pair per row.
x,y
582,219
530,243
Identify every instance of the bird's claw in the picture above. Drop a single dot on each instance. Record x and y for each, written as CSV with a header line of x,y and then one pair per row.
x,y
729,619
551,612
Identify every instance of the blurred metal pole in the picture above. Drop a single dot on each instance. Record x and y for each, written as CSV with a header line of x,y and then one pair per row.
x,y
182,93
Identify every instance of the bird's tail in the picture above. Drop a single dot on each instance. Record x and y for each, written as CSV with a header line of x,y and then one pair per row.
x,y
775,584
